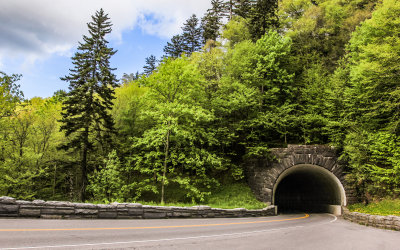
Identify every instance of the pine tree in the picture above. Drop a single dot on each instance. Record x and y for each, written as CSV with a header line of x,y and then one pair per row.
x,y
176,47
91,91
243,7
212,21
238,8
263,17
191,35
151,65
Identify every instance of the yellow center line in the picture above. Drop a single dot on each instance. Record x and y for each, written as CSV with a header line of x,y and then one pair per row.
x,y
155,227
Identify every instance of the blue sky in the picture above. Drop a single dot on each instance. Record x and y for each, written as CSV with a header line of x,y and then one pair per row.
x,y
38,37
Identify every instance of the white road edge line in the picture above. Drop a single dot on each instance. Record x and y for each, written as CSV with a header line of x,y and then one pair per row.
x,y
158,240
333,219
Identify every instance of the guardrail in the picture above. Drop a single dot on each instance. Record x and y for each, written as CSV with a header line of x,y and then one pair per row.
x,y
10,207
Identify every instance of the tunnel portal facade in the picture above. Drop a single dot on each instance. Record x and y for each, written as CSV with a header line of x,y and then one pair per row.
x,y
301,178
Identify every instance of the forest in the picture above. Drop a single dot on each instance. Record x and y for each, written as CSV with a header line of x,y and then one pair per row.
x,y
248,76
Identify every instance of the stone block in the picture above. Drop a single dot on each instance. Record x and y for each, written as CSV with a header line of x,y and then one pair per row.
x,y
39,202
59,204
134,205
8,208
83,211
330,162
58,211
135,211
7,200
396,223
107,214
180,214
84,206
29,212
154,215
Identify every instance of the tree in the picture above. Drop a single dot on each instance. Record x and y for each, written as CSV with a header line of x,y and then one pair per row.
x,y
10,94
176,47
191,35
126,78
91,84
243,8
371,101
236,31
174,147
212,21
263,17
151,65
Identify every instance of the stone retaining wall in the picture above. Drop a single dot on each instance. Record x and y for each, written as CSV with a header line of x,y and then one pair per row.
x,y
385,222
10,207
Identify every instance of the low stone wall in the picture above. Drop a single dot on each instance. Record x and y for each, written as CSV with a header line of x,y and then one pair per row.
x,y
385,222
10,207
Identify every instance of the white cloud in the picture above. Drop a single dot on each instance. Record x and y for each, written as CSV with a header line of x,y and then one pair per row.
x,y
36,29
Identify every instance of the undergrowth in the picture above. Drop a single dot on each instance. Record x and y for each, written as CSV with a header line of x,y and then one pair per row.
x,y
383,207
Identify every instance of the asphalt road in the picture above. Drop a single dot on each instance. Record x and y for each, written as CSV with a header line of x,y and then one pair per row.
x,y
297,231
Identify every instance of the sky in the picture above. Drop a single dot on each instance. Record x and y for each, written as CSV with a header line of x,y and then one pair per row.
x,y
39,37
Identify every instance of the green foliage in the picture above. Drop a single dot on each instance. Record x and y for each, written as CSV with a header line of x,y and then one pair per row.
x,y
375,162
106,183
262,17
10,95
383,207
327,73
233,196
173,149
86,119
236,31
212,21
29,158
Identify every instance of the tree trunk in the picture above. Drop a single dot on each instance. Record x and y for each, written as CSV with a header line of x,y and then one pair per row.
x,y
84,163
165,162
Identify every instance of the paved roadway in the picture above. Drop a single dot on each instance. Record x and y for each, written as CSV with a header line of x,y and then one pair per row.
x,y
297,231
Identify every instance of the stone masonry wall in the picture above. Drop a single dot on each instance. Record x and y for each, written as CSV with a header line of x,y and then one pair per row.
x,y
10,207
384,222
263,173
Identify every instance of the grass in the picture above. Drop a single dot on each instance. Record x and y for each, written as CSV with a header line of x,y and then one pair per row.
x,y
383,207
237,195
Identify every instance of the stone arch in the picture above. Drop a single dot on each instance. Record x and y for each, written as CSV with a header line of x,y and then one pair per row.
x,y
316,162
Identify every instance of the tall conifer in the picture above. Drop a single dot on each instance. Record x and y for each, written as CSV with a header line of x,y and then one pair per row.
x,y
263,17
151,65
192,35
212,21
91,91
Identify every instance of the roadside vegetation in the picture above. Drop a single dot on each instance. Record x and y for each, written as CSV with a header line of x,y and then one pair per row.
x,y
382,207
237,195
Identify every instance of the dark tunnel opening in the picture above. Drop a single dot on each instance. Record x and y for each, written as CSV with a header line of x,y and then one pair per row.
x,y
307,188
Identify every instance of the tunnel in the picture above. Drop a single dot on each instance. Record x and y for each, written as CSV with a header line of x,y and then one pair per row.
x,y
308,188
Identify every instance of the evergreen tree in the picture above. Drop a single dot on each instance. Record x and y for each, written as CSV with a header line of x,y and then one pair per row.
x,y
243,7
176,47
191,35
151,65
91,84
238,8
212,21
126,78
263,17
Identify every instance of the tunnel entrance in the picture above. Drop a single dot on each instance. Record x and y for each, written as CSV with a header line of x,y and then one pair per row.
x,y
308,188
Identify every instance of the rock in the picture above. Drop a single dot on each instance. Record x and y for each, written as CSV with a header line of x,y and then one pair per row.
x,y
29,212
7,200
8,208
